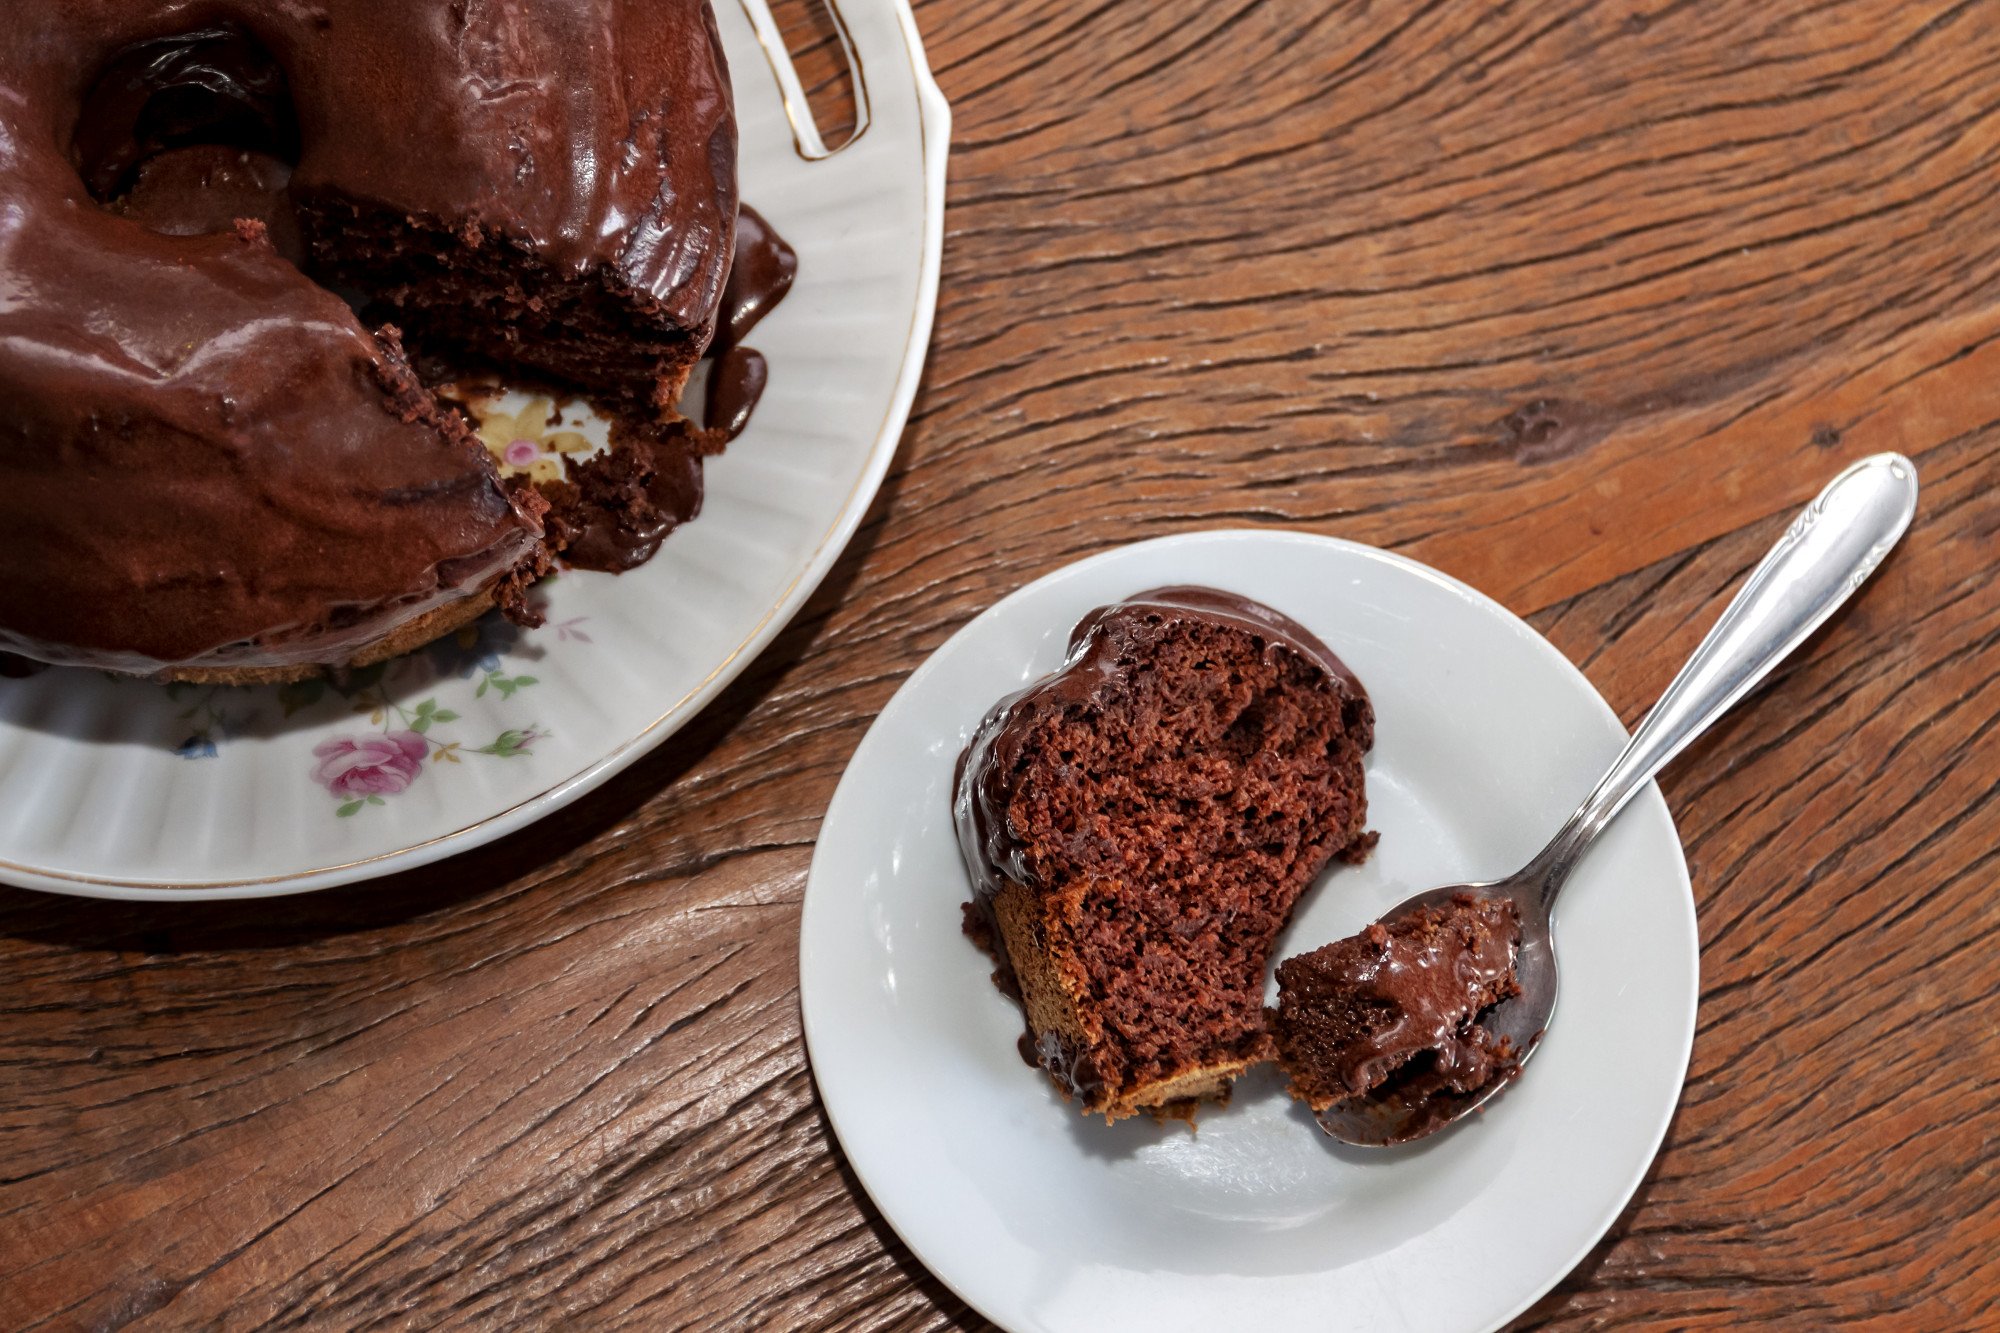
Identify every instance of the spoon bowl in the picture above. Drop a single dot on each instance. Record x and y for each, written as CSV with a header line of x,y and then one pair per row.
x,y
1826,554
1381,1121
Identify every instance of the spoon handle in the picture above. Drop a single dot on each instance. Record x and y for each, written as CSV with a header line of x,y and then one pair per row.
x,y
1829,551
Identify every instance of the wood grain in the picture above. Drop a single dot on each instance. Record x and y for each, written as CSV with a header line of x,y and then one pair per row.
x,y
1576,300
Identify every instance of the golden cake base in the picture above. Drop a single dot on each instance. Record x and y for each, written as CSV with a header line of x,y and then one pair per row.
x,y
435,624
1051,980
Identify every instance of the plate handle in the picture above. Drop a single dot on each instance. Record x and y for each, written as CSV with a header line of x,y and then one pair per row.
x,y
805,130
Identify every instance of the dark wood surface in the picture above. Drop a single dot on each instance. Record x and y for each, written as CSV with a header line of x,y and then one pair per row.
x,y
1577,301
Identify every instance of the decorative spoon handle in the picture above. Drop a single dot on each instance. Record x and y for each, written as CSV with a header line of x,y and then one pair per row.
x,y
1829,551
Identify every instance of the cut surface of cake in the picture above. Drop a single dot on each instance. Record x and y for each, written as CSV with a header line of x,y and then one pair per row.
x,y
1394,1010
1138,827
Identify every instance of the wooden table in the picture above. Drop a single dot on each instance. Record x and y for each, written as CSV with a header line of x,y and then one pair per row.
x,y
1577,301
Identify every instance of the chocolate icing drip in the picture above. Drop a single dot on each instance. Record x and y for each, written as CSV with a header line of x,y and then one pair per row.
x,y
1122,630
734,386
761,274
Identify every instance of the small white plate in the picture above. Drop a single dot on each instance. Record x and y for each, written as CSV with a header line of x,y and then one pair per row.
x,y
1486,739
128,789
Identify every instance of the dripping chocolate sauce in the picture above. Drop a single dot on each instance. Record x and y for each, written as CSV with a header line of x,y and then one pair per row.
x,y
734,385
763,272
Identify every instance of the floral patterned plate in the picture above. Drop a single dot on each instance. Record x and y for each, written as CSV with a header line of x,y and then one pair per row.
x,y
130,789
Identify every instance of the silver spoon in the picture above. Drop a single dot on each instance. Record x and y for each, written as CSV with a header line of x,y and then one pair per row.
x,y
1828,552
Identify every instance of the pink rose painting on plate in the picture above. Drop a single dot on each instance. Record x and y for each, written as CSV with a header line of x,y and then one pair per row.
x,y
362,770
366,766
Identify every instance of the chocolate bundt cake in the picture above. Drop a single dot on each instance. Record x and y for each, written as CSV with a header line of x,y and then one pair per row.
x,y
1395,1009
209,465
1138,826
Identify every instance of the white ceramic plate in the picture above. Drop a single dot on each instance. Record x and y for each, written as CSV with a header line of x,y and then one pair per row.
x,y
127,789
1486,738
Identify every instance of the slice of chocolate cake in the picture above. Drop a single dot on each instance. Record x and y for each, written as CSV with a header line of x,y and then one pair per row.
x,y
1394,1011
1138,826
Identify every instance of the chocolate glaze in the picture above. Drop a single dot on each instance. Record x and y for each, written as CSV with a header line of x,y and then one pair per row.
x,y
734,385
208,188
216,85
197,468
980,785
1393,1011
763,271
761,274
